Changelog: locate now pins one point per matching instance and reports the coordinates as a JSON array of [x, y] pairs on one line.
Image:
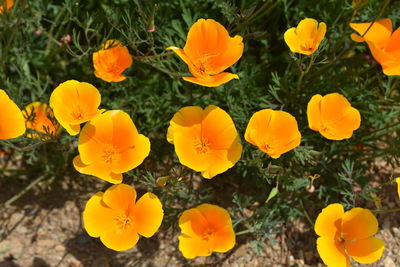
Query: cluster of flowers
[[205, 140]]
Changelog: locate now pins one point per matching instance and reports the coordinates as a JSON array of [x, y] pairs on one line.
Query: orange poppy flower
[[118, 219], [398, 186], [273, 131], [40, 119], [74, 103], [333, 116], [110, 145], [384, 46], [12, 122], [305, 39], [7, 4], [205, 229], [205, 140], [209, 50], [347, 234], [111, 60]]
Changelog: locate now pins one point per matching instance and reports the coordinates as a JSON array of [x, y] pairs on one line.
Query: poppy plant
[[205, 229], [39, 118], [111, 60], [273, 131], [12, 122], [333, 116], [6, 4], [347, 234], [205, 140], [110, 145], [384, 45], [305, 39], [83, 101], [209, 50], [118, 219]]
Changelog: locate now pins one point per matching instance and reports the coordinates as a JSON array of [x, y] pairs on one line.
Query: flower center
[[110, 154], [265, 148], [308, 45], [208, 234], [77, 113], [202, 145], [124, 221]]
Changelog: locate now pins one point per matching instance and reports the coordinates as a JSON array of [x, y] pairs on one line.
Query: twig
[[24, 191]]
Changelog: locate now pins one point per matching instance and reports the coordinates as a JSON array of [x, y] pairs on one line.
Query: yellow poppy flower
[[333, 116], [347, 234], [40, 119], [111, 60], [12, 122], [110, 145], [398, 186], [205, 140], [209, 50], [74, 103], [118, 219], [383, 44], [305, 39], [273, 131], [205, 229], [7, 4]]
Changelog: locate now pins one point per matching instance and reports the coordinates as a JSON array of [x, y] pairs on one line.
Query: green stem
[[306, 214], [303, 73], [24, 191], [381, 132], [386, 211], [244, 232]]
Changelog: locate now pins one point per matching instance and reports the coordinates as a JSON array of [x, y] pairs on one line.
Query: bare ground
[[44, 228]]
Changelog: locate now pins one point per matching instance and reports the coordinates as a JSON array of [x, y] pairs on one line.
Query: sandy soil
[[44, 228]]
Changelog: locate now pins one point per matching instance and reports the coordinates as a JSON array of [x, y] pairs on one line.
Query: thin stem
[[386, 211], [306, 214], [155, 56], [24, 191], [244, 232], [303, 73]]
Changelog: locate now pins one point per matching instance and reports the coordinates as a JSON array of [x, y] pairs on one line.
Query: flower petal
[[292, 40], [365, 251], [132, 157], [186, 151], [181, 54], [379, 33], [307, 29], [120, 197], [99, 169], [398, 186], [218, 127], [344, 128], [119, 239], [148, 214], [212, 81], [225, 239], [314, 114], [97, 217], [332, 253], [12, 123], [188, 120], [192, 247], [192, 223], [217, 217], [220, 161], [358, 223], [329, 221]]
